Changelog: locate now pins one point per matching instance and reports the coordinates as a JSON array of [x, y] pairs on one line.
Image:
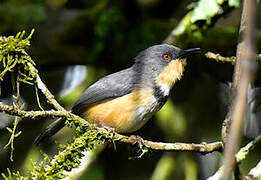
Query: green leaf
[[234, 3], [206, 9]]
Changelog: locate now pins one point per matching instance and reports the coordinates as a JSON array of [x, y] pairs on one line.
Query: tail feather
[[53, 128]]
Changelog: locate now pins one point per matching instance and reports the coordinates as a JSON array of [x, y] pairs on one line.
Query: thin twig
[[37, 98], [202, 148], [13, 135], [48, 94], [243, 152], [11, 110], [231, 59], [13, 132], [220, 58]]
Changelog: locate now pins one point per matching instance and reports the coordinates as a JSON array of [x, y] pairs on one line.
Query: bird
[[126, 100]]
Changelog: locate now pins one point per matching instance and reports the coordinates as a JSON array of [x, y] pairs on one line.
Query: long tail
[[53, 128]]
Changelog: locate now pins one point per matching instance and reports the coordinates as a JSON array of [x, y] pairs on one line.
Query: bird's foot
[[138, 140], [101, 124], [141, 145]]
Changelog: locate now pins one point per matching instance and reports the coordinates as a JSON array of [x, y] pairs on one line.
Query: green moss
[[12, 54], [69, 157]]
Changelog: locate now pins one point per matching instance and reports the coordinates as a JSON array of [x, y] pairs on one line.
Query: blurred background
[[77, 42]]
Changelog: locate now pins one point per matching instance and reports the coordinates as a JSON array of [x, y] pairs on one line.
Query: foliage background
[[103, 36]]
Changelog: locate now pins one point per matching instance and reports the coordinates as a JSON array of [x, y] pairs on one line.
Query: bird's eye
[[166, 57]]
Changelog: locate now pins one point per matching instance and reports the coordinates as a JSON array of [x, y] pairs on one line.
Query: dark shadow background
[[103, 36]]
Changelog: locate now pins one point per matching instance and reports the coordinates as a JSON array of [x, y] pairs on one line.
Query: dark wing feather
[[108, 87]]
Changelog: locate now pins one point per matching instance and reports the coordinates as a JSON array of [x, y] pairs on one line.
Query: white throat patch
[[164, 89]]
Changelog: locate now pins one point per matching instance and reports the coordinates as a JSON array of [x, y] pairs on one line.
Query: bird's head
[[162, 64]]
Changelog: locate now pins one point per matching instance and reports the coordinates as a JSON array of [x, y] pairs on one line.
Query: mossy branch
[[76, 120]]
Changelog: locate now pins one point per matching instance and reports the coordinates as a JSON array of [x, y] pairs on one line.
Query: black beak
[[187, 52]]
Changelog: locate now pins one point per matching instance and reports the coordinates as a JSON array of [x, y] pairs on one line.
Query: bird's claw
[[110, 129], [141, 144], [139, 141]]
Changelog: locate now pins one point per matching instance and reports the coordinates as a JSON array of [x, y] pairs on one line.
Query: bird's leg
[[141, 145], [138, 140], [105, 126]]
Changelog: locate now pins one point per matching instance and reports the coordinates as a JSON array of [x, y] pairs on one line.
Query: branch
[[220, 58], [223, 59], [243, 152], [202, 148], [50, 98], [12, 110], [244, 72], [240, 156]]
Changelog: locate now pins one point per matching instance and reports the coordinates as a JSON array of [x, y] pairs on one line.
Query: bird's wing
[[108, 87]]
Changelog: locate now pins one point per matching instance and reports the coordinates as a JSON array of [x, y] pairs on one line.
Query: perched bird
[[127, 99]]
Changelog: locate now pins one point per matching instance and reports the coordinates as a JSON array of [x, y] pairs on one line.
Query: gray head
[[163, 64]]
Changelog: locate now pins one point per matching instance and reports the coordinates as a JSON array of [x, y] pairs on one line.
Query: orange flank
[[120, 113], [172, 72]]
